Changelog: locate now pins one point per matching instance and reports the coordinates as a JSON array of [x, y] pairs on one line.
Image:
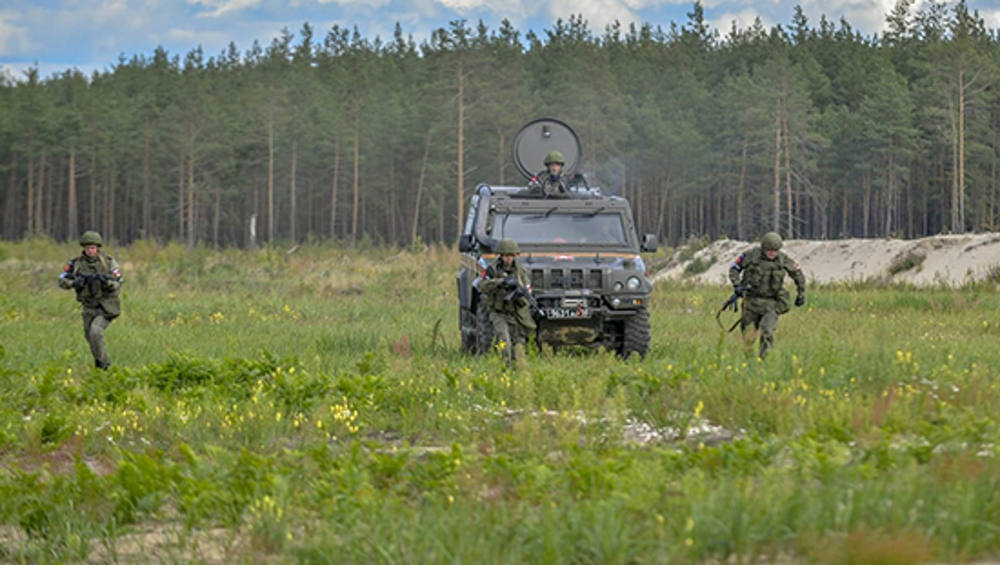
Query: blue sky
[[90, 34]]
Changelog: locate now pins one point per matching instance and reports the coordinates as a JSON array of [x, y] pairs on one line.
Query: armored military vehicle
[[582, 251]]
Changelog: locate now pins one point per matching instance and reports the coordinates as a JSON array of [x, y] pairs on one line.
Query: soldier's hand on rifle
[[78, 282], [510, 283], [800, 299], [739, 289]]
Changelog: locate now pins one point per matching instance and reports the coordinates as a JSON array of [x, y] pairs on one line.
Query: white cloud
[[991, 17], [744, 19], [18, 71], [223, 7], [14, 39], [597, 13], [364, 3], [194, 37], [643, 4]]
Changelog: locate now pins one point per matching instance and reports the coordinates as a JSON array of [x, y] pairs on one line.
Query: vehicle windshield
[[565, 229]]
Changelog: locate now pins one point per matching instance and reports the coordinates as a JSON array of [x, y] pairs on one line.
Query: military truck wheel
[[468, 326], [635, 335], [484, 337]]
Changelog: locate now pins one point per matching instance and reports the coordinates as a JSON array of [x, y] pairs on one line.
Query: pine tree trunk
[[954, 160], [180, 200], [270, 175], [110, 231], [460, 195], [216, 213], [420, 187], [866, 212], [740, 228], [191, 235], [10, 202], [39, 193], [292, 195], [333, 189], [92, 220], [961, 150], [30, 230], [147, 206], [788, 179], [501, 141], [890, 196], [356, 180], [777, 173], [71, 206]]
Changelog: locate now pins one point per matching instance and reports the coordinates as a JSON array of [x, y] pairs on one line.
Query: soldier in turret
[[758, 276], [97, 280], [550, 182]]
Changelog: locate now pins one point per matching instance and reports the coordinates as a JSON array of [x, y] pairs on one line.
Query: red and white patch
[[69, 267]]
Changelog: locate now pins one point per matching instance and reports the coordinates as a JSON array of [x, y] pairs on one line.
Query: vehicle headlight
[[616, 302], [633, 283], [618, 286]]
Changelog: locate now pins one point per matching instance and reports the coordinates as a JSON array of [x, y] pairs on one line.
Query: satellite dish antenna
[[542, 136]]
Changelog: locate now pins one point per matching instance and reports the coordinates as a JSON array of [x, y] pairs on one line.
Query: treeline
[[813, 129]]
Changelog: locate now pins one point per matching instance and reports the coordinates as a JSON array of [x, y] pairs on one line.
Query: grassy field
[[315, 408]]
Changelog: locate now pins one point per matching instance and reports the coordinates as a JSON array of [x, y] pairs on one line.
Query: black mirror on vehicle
[[466, 242], [649, 243]]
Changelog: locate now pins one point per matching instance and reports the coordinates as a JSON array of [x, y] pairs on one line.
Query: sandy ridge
[[949, 260]]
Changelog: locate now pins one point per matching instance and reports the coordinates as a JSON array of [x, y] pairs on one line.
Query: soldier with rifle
[[758, 277], [97, 280], [549, 183], [506, 288]]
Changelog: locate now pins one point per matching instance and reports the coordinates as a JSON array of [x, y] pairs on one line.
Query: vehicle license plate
[[566, 313]]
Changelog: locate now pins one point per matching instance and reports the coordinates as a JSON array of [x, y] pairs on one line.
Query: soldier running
[[97, 280], [758, 276]]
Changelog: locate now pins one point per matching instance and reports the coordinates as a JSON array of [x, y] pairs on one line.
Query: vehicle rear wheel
[[635, 334], [484, 337]]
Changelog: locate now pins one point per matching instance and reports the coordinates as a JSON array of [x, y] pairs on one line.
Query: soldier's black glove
[[78, 282], [510, 283], [739, 290], [800, 299]]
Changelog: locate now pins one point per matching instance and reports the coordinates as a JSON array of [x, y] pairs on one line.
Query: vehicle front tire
[[635, 334]]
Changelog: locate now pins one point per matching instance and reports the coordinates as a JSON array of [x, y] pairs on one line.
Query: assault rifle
[[732, 304], [96, 281], [517, 290]]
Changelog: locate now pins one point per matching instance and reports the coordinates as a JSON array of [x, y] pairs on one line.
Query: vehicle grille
[[567, 278]]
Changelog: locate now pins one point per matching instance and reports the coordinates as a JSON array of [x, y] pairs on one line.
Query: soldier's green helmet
[[508, 246], [771, 241], [91, 238], [554, 157]]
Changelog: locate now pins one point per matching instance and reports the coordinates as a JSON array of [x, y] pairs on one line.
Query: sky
[[91, 34]]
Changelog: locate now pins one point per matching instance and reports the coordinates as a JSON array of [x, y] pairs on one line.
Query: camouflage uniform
[[97, 281], [545, 184], [764, 296], [510, 316]]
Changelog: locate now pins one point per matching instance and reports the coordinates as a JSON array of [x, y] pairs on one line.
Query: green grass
[[315, 408]]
